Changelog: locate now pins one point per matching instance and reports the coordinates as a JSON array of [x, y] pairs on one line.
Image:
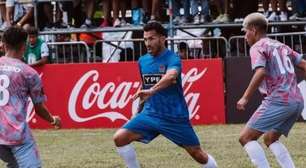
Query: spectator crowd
[[107, 13], [88, 14]]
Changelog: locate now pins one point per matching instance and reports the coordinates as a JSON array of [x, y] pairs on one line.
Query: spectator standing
[[116, 8], [137, 12], [242, 8], [177, 4], [299, 10], [223, 11], [274, 16], [156, 9], [265, 6], [152, 10], [75, 17], [89, 10], [203, 16], [106, 7]]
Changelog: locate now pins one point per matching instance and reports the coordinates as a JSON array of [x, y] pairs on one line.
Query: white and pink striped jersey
[[18, 82], [280, 84]]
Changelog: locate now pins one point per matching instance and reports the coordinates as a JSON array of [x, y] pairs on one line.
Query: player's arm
[[257, 78], [302, 65], [44, 56], [168, 79], [38, 98], [42, 111], [42, 61]]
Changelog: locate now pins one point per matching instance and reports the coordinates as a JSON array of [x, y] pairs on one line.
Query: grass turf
[[93, 148]]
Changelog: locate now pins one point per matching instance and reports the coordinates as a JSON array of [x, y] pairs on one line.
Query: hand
[[145, 94], [241, 104], [136, 95], [56, 122]]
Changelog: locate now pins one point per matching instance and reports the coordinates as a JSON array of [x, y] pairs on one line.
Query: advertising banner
[[100, 95]]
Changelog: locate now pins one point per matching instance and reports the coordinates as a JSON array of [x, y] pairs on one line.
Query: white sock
[[282, 155], [128, 153], [211, 163], [256, 154]]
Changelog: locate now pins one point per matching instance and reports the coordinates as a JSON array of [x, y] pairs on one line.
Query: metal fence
[[188, 48], [295, 40], [69, 52], [201, 47], [118, 50], [131, 50]]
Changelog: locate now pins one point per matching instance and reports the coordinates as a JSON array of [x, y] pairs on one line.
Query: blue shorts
[[20, 156], [277, 117], [180, 133]]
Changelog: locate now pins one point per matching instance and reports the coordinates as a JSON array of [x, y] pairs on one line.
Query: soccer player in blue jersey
[[165, 110], [273, 63]]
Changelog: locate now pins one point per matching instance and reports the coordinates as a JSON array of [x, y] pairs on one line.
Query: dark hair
[[32, 31], [182, 46], [155, 26], [14, 37]]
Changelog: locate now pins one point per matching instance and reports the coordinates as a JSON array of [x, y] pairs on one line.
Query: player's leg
[[140, 128], [182, 134], [249, 134], [7, 156], [27, 154], [285, 118], [280, 152], [248, 139], [122, 139], [201, 156], [263, 120]]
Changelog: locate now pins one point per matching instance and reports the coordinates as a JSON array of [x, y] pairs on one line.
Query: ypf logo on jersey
[[151, 79]]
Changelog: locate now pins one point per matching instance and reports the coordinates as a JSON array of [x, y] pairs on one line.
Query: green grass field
[[93, 148]]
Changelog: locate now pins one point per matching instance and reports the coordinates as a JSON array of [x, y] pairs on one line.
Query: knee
[[268, 140], [119, 139], [243, 140], [246, 137]]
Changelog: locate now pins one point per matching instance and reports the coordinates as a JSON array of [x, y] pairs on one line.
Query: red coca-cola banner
[[100, 95]]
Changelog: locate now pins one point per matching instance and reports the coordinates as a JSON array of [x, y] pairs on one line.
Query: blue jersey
[[168, 103]]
